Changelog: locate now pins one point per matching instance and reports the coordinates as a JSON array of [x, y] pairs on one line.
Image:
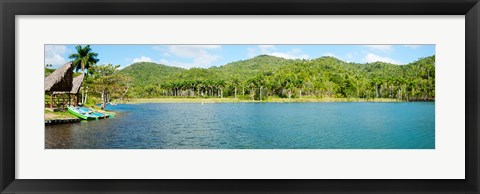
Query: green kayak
[[85, 113]]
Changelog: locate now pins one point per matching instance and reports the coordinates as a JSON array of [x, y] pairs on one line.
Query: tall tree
[[108, 83]]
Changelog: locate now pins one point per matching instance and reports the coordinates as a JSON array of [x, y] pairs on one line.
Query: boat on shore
[[86, 113]]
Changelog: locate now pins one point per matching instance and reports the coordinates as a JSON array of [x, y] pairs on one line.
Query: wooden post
[[51, 100], [76, 98]]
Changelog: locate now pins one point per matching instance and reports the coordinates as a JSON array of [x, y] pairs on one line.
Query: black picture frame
[[10, 8]]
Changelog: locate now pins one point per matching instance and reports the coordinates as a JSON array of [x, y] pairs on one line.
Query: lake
[[349, 125]]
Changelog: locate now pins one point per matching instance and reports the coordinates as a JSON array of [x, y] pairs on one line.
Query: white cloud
[[252, 52], [54, 54], [351, 55], [163, 61], [370, 57], [198, 53], [328, 55], [266, 48], [176, 64], [142, 59], [380, 47], [162, 49], [294, 53], [158, 48], [290, 55], [260, 50], [190, 51], [413, 46]]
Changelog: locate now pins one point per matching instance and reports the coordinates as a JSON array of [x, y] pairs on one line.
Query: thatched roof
[[77, 84], [60, 79]]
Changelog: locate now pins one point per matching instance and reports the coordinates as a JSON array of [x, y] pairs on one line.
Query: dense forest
[[267, 76]]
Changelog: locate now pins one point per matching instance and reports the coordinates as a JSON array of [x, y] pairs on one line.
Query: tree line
[[267, 76]]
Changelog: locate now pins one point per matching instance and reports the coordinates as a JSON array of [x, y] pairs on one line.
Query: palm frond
[[84, 58]]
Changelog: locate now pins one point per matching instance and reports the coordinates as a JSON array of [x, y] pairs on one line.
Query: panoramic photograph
[[115, 96]]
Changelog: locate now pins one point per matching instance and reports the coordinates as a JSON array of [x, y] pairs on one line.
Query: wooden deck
[[60, 121]]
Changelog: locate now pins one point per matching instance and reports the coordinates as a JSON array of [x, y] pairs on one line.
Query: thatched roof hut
[[60, 80]]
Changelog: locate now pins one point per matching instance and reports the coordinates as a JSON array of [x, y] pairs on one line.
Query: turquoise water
[[254, 126]]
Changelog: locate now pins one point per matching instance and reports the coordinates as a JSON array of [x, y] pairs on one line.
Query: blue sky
[[188, 56]]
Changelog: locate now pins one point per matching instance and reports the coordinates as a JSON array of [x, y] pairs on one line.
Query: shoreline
[[271, 100], [50, 115]]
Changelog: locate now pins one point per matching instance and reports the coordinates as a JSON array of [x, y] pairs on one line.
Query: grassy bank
[[64, 114], [232, 100], [50, 115], [92, 103]]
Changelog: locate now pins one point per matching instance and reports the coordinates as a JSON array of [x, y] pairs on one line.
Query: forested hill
[[253, 66], [147, 73], [264, 76]]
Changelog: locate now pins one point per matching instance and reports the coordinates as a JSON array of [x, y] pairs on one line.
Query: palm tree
[[235, 83], [200, 86], [252, 85], [84, 58], [220, 84]]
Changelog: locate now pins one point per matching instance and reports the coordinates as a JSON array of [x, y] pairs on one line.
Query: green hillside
[[239, 70], [246, 69], [146, 73], [267, 76]]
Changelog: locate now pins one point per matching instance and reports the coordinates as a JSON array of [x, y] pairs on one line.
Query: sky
[[205, 56]]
